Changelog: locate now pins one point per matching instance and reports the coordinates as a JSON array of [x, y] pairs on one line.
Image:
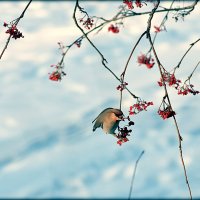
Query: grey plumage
[[108, 120]]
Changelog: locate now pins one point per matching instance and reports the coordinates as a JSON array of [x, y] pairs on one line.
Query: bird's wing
[[99, 119], [97, 125], [101, 113]]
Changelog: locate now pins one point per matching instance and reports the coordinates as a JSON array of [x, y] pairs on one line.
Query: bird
[[108, 120]]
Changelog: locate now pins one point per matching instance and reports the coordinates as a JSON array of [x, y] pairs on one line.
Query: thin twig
[[151, 16], [125, 68], [104, 61], [118, 17], [194, 70], [190, 8], [74, 17], [191, 45], [120, 101], [174, 118], [162, 23], [17, 21], [113, 19], [169, 102], [190, 76], [132, 51], [168, 11], [134, 172]]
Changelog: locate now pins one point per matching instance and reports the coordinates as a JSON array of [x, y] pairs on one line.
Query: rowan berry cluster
[[87, 23], [124, 132], [130, 6], [113, 28], [165, 110], [13, 30], [170, 79], [57, 74], [139, 106], [187, 89], [146, 60]]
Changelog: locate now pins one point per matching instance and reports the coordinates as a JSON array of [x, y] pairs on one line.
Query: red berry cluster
[[88, 23], [146, 60], [186, 89], [139, 106], [138, 3], [57, 74], [13, 30], [170, 79], [166, 111], [124, 132], [122, 86], [129, 3], [130, 6], [114, 29]]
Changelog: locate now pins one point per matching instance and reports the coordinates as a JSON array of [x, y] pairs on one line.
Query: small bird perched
[[108, 120]]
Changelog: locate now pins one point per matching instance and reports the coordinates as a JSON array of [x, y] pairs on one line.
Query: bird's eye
[[119, 116]]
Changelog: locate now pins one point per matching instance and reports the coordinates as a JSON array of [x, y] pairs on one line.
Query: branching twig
[[103, 60], [74, 17], [169, 102], [120, 16], [174, 118], [190, 8], [134, 172], [117, 17], [16, 22]]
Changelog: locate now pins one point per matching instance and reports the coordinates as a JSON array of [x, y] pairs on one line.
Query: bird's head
[[119, 114]]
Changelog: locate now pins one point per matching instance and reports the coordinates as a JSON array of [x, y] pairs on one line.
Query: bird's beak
[[121, 118]]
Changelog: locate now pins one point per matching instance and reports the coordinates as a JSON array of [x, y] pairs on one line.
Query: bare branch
[[125, 68], [191, 45], [103, 60], [132, 51], [151, 16], [134, 172], [113, 19], [193, 70], [16, 22], [162, 23], [174, 118]]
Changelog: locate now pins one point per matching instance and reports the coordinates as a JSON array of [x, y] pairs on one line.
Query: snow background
[[46, 141]]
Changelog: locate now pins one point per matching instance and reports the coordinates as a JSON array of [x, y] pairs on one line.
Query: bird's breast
[[110, 124]]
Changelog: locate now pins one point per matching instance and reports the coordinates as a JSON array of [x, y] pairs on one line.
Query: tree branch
[[104, 61], [191, 45], [134, 172], [174, 118], [16, 22]]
